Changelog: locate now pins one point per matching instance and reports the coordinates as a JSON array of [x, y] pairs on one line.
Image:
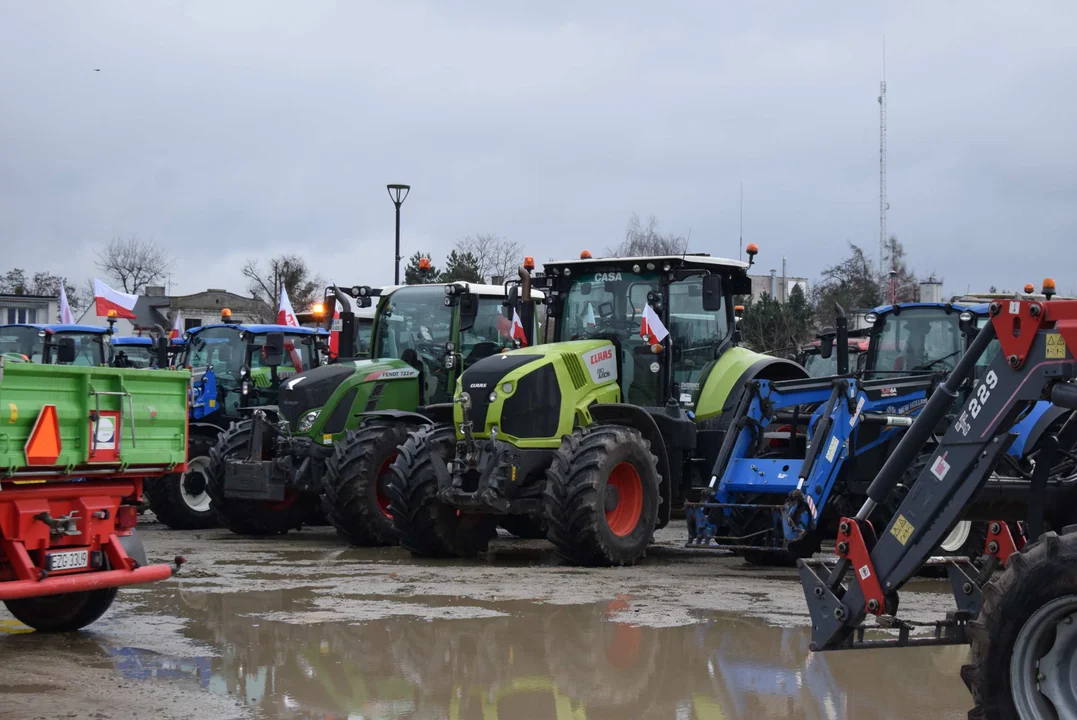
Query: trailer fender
[[640, 419]]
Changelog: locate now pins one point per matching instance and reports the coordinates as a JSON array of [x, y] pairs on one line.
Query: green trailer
[[76, 444]]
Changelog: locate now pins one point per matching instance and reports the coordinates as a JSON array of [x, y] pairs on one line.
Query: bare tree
[[289, 272], [642, 239], [133, 263], [496, 256]]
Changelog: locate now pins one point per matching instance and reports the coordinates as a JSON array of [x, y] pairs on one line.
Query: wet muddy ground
[[304, 626]]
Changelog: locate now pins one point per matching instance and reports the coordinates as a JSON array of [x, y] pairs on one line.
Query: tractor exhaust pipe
[[841, 327], [527, 308]]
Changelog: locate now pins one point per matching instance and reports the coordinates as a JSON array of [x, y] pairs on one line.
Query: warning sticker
[[1056, 346], [865, 572], [859, 409], [902, 529], [940, 467], [832, 449]]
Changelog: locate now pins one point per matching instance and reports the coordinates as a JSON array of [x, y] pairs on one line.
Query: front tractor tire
[[252, 517], [181, 500], [356, 483], [602, 496], [428, 527], [1024, 643]]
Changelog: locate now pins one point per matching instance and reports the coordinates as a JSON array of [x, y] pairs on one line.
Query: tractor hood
[[314, 389]]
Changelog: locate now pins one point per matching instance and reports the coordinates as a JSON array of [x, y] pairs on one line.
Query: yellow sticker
[[13, 412], [212, 403], [513, 473], [902, 529], [1056, 346], [327, 439]]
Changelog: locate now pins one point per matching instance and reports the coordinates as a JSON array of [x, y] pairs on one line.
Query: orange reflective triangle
[[43, 447]]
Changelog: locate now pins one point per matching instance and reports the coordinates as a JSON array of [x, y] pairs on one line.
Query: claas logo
[[601, 355]]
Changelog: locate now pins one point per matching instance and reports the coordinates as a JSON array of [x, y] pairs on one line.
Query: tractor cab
[[820, 358], [230, 367], [691, 297], [919, 338], [142, 352], [86, 345]]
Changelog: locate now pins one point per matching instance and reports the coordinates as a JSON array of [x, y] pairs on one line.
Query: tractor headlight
[[307, 421], [965, 317], [493, 395], [871, 318], [506, 388]]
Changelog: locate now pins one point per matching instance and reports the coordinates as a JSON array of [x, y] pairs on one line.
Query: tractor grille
[[575, 369], [312, 389], [483, 377], [534, 410]]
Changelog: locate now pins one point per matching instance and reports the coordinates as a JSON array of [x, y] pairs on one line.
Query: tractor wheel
[[428, 527], [252, 517], [62, 613], [1024, 643], [524, 526], [356, 481], [602, 496], [180, 500]]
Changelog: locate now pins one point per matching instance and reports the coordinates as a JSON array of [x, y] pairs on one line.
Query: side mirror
[[712, 293], [469, 310], [273, 350], [65, 351], [826, 346]]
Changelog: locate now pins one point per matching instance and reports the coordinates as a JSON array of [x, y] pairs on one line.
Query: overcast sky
[[235, 130]]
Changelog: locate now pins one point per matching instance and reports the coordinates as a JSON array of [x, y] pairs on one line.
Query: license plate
[[68, 560]]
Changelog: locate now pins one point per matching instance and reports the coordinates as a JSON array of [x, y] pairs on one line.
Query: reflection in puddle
[[524, 661]]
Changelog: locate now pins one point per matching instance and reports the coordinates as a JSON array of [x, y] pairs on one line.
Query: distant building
[[776, 286], [154, 309], [24, 309]]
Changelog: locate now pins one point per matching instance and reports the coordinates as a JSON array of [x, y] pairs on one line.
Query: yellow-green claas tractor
[[595, 436]]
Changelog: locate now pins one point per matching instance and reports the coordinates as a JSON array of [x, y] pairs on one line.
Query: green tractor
[[596, 436], [336, 428]]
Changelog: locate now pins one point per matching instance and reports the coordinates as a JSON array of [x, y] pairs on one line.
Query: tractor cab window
[[133, 356], [491, 332], [610, 305], [916, 340], [363, 328], [223, 348], [697, 334], [298, 356], [989, 354], [819, 366], [89, 350], [21, 343], [413, 324]]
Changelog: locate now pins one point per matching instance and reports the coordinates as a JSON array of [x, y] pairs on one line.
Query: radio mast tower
[[883, 205]]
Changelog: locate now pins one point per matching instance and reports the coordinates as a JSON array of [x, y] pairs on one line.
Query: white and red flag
[[652, 328], [65, 309], [105, 299], [177, 326], [518, 329], [285, 315]]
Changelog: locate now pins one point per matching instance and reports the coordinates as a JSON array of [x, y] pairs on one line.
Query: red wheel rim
[[380, 484], [624, 517]]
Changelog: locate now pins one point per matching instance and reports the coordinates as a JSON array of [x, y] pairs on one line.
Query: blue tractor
[[800, 454], [56, 344], [228, 375]]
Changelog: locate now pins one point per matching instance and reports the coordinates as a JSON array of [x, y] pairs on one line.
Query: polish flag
[[105, 299], [65, 310], [335, 327], [518, 329], [285, 315], [652, 329], [177, 326]]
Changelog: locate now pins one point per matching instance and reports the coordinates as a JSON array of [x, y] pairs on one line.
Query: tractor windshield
[[413, 324], [21, 342], [133, 356], [221, 347], [916, 340], [610, 305], [363, 328], [298, 356]]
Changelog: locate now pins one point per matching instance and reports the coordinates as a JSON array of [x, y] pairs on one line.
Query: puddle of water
[[518, 661]]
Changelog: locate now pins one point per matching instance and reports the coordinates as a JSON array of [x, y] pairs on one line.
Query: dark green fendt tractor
[[596, 436], [336, 428]]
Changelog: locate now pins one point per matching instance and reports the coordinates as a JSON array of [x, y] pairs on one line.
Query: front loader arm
[[1033, 365]]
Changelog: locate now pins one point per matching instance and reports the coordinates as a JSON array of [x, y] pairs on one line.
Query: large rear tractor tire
[[524, 526], [602, 497], [180, 500], [1024, 643], [62, 613], [428, 527], [252, 517], [356, 483]]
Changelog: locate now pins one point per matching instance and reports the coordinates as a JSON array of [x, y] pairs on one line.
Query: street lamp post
[[398, 193]]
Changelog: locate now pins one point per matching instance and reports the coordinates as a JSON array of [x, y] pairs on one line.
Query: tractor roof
[[127, 340], [476, 288], [625, 264], [261, 329], [62, 328], [978, 308]]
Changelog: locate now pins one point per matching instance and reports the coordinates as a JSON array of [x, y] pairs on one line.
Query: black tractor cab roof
[[661, 263]]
